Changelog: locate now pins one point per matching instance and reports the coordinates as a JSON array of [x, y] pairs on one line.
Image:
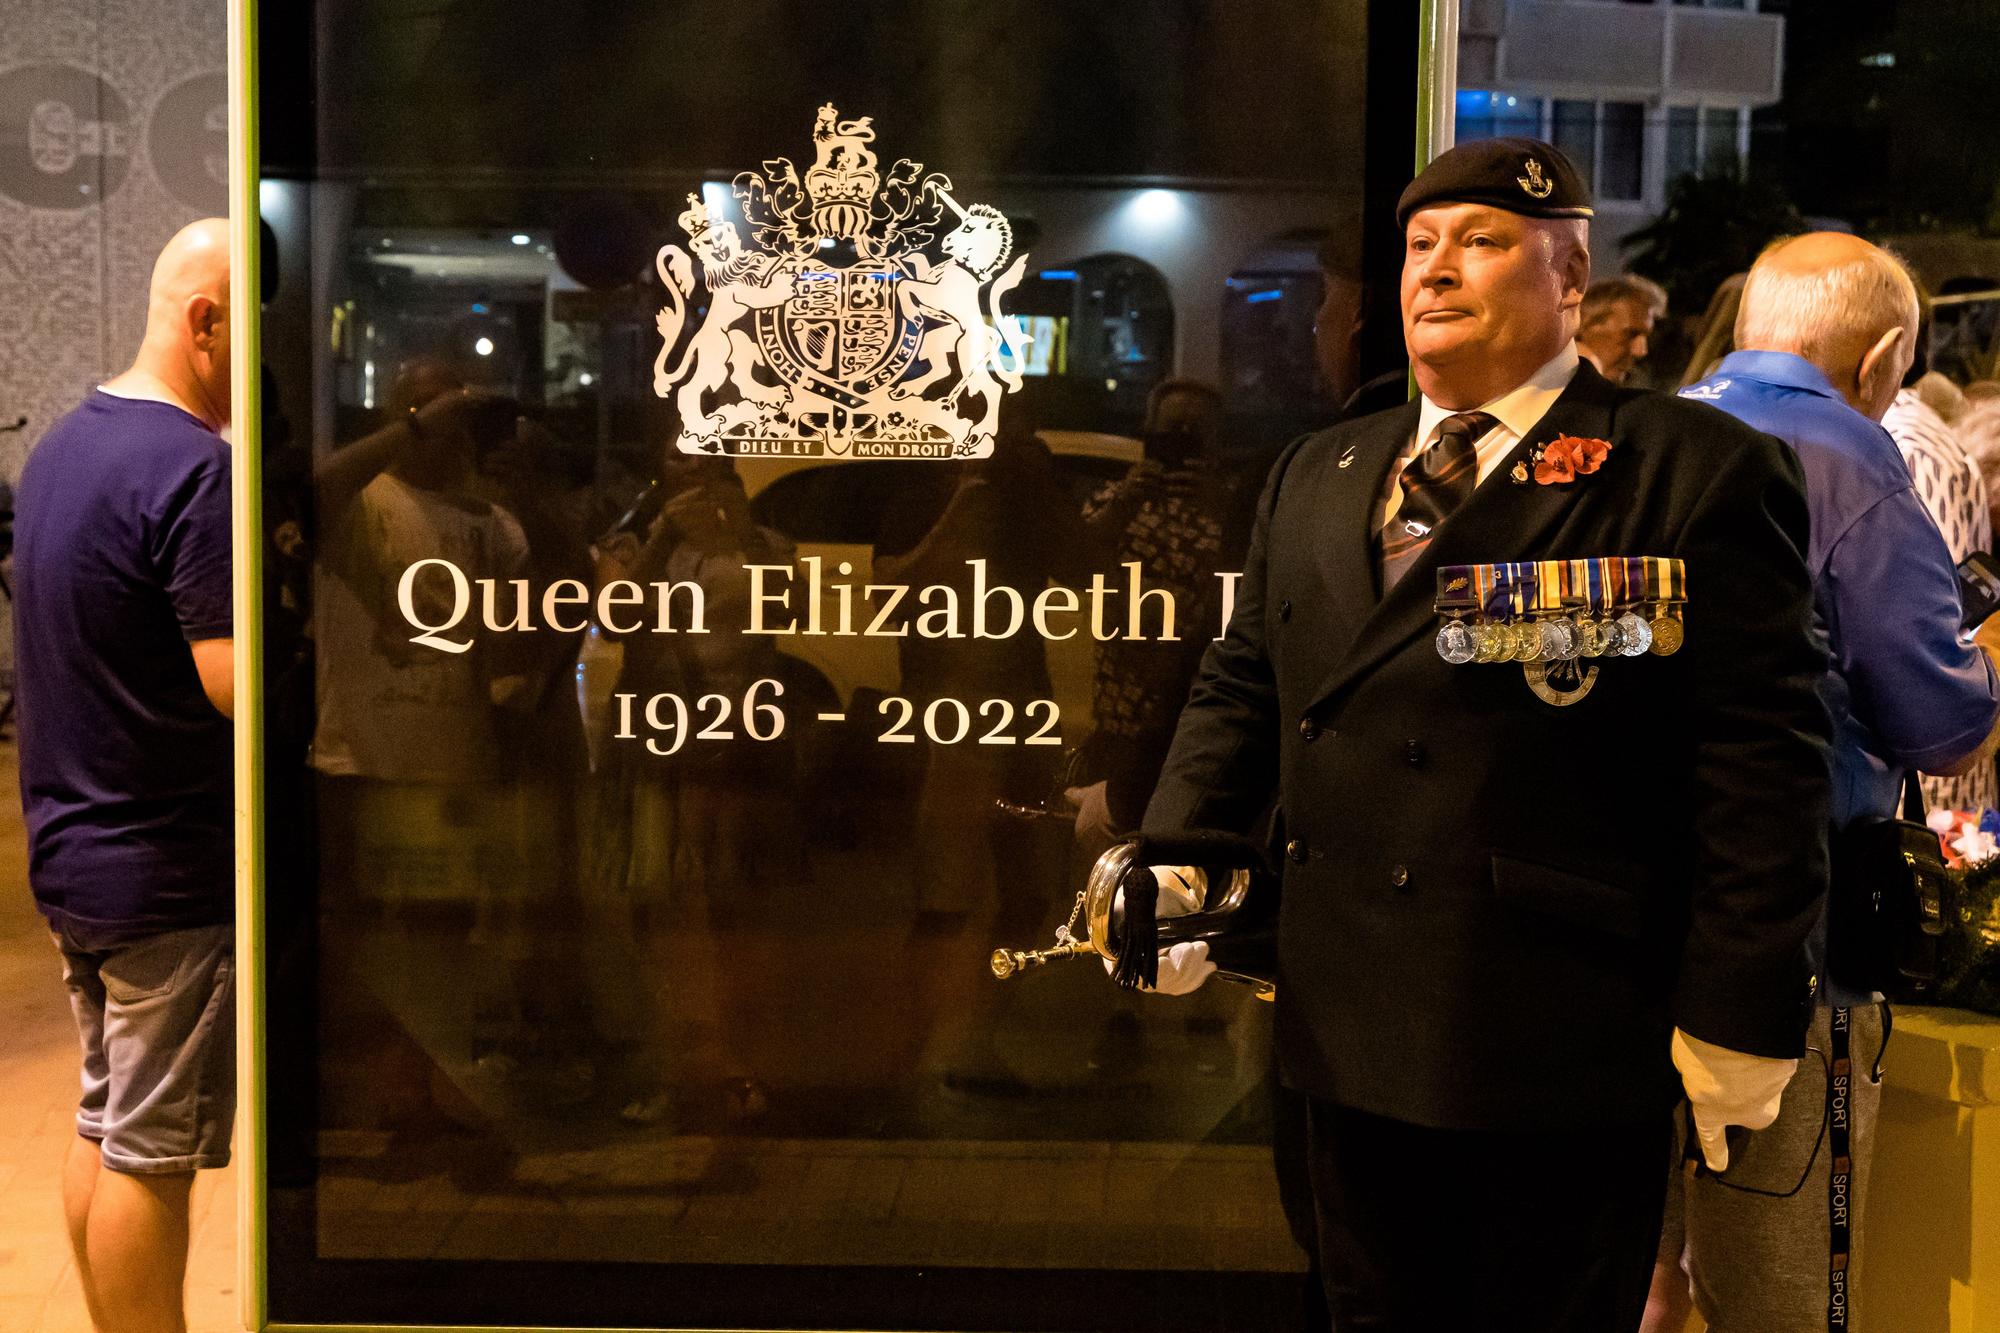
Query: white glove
[[1182, 969], [1183, 889], [1725, 1088]]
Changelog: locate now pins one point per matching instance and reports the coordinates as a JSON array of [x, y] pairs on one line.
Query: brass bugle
[[1007, 962]]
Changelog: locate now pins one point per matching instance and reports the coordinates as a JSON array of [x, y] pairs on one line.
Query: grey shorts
[[157, 1020], [1757, 1264]]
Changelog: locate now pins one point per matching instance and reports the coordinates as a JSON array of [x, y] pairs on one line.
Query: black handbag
[[1887, 902]]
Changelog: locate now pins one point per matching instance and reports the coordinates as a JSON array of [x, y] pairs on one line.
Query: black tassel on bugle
[[1139, 933]]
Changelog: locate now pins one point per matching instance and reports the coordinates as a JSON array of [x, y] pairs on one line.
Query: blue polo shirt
[[121, 559], [1904, 691]]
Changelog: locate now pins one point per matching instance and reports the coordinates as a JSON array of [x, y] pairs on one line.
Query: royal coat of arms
[[862, 320]]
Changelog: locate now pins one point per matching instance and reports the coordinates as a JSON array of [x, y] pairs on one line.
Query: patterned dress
[[1949, 482]]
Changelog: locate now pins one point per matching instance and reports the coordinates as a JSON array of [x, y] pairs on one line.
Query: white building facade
[[1638, 92]]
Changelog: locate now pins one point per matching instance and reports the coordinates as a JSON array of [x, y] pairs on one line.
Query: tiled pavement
[[38, 1075]]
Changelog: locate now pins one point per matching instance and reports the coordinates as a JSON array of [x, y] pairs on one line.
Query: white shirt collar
[[1521, 408]]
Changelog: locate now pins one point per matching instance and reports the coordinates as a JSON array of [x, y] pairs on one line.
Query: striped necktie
[[1434, 483]]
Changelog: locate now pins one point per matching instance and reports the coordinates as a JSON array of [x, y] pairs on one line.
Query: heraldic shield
[[862, 319], [842, 332]]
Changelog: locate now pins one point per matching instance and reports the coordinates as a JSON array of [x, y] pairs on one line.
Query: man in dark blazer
[[1510, 913]]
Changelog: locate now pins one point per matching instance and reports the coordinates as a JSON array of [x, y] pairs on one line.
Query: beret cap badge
[[1535, 185]]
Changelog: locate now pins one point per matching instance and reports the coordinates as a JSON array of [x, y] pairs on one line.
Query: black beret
[[1524, 176]]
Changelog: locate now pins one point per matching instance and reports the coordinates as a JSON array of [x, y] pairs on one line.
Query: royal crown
[[843, 171], [699, 217]]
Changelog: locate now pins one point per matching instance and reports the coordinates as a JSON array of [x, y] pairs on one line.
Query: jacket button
[[1400, 875], [1308, 729], [1414, 752], [1284, 611], [1296, 851]]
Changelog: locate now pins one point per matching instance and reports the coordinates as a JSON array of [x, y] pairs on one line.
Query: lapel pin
[[1520, 474], [1347, 458]]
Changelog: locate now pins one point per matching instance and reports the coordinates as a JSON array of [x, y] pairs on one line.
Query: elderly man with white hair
[[1616, 323], [1827, 333]]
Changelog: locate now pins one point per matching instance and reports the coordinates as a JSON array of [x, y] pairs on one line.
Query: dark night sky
[[1912, 144], [1013, 87]]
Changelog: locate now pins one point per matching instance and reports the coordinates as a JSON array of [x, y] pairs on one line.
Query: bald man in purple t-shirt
[[124, 677]]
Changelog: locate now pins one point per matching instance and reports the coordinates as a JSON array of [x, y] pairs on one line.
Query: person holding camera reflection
[[1516, 921], [528, 1015], [1171, 515], [407, 745], [1826, 331], [390, 709], [705, 826]]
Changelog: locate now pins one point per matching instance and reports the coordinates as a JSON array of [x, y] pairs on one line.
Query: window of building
[[1622, 150], [1720, 152], [1703, 141], [1683, 142], [1573, 128], [1607, 141]]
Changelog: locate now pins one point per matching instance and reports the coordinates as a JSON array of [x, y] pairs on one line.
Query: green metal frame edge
[[1437, 90], [247, 505]]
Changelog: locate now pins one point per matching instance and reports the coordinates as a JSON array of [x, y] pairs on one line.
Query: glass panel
[[1683, 132], [711, 562], [1623, 166], [1574, 131], [1718, 149]]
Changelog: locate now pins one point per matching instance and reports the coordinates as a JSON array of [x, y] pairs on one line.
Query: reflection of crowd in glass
[[513, 891]]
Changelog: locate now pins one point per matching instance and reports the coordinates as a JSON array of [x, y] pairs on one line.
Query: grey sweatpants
[[1763, 1265]]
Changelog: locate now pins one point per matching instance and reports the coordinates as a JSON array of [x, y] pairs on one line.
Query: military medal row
[[1561, 610]]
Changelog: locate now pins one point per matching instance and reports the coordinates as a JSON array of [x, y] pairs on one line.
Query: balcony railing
[[1590, 48]]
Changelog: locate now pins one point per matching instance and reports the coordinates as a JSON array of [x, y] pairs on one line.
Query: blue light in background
[[1269, 294], [1472, 103], [1057, 275]]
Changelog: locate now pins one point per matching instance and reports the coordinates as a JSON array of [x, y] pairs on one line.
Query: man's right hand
[[1987, 636], [445, 410], [1147, 480], [1182, 969]]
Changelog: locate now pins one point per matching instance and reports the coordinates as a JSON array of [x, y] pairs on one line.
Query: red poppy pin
[[1564, 459]]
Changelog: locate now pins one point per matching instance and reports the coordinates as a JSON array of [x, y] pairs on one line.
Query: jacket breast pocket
[[1566, 895]]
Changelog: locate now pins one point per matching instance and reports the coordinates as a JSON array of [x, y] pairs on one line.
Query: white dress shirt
[[1518, 411]]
